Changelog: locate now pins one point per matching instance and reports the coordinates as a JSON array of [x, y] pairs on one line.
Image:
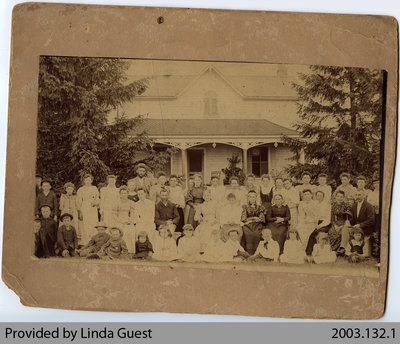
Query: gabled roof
[[246, 86], [214, 127]]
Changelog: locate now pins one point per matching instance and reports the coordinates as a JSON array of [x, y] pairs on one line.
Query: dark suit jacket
[[365, 218]]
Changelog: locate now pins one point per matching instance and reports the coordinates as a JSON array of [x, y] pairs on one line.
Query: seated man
[[166, 212], [362, 216]]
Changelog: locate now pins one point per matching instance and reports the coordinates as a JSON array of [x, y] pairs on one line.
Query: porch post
[[245, 160], [184, 165]]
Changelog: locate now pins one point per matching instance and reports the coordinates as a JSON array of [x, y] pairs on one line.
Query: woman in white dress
[[109, 196], [206, 215], [123, 217], [87, 198]]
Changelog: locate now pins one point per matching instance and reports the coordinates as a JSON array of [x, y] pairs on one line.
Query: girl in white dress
[[87, 198], [164, 245], [293, 251]]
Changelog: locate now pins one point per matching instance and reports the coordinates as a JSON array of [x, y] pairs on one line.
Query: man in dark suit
[[363, 217], [363, 214]]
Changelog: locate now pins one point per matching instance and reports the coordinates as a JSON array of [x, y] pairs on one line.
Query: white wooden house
[[211, 111]]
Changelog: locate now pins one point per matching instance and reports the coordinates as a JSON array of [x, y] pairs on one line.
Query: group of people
[[156, 218]]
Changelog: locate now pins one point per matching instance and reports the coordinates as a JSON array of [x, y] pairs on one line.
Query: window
[[259, 160], [210, 104]]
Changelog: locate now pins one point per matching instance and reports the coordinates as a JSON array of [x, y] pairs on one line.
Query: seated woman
[[206, 216], [230, 218], [194, 197], [278, 216], [253, 217], [324, 220]]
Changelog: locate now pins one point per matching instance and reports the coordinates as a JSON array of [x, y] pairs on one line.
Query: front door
[[195, 161]]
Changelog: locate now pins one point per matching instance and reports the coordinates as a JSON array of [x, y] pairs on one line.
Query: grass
[[341, 267]]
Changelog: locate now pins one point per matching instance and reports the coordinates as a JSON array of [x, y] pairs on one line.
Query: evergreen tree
[[340, 110], [75, 135]]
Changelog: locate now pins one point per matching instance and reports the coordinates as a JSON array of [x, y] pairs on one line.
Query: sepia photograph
[[206, 164]]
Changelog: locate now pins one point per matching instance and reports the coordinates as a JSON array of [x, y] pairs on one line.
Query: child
[[189, 245], [115, 247], [47, 197], [37, 242], [143, 246], [48, 232], [214, 249], [68, 205], [293, 252], [96, 242], [67, 239], [322, 252], [268, 249], [356, 251], [232, 249], [164, 245]]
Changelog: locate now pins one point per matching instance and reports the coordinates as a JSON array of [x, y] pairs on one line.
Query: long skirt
[[305, 229], [129, 237], [90, 219], [279, 232], [251, 236]]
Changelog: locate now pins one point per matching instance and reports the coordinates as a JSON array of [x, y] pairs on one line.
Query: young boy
[[96, 242], [268, 249], [115, 247], [67, 239], [143, 246], [232, 249], [37, 242], [48, 231], [47, 197]]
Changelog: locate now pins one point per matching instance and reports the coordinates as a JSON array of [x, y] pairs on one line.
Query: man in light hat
[[96, 242]]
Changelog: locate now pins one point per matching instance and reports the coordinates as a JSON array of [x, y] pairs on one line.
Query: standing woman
[[253, 217], [278, 216], [109, 195], [194, 197], [123, 216], [87, 198], [265, 191]]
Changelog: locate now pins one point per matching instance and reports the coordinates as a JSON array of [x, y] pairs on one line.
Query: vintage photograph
[[217, 165]]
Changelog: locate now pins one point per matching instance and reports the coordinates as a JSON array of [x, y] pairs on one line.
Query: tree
[[75, 134], [233, 170], [340, 110]]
